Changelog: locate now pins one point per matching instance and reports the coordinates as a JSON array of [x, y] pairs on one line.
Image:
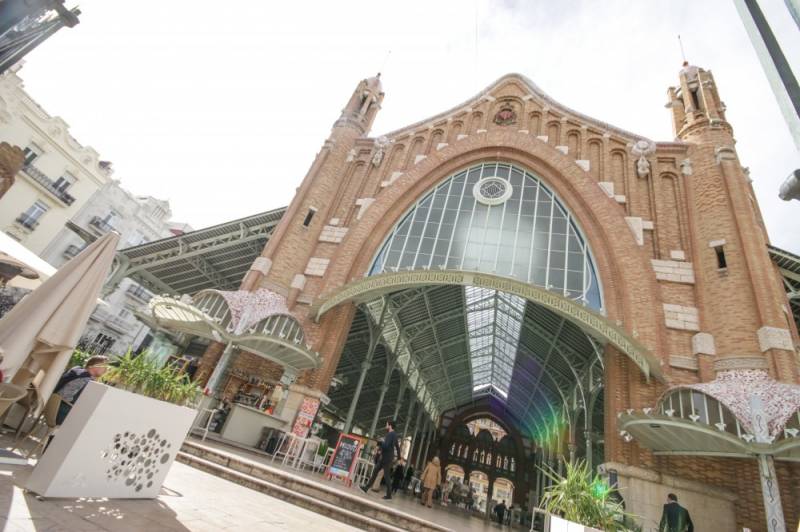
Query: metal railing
[[101, 224], [48, 184], [71, 251], [27, 221], [118, 324]]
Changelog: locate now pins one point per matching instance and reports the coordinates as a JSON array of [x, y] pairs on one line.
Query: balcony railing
[[48, 184], [71, 251], [102, 225], [118, 324], [139, 293], [28, 222]]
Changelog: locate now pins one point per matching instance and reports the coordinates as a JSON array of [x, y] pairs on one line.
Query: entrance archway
[[484, 293]]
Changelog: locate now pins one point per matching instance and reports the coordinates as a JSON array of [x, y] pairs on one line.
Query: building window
[[722, 262], [135, 239], [529, 235], [30, 218], [64, 182], [31, 153], [309, 217]]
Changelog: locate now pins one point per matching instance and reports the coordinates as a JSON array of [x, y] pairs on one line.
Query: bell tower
[[311, 208], [743, 324], [363, 106]]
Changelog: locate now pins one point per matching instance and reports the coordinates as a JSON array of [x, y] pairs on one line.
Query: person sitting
[[71, 384]]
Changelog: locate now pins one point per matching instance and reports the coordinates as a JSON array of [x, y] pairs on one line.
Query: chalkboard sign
[[345, 457]]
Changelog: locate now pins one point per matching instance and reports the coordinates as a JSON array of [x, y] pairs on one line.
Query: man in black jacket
[[390, 447], [675, 517]]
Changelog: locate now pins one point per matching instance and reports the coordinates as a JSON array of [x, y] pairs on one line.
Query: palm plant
[[141, 374], [581, 498]]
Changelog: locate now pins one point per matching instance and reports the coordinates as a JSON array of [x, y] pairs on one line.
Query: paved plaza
[[190, 500]]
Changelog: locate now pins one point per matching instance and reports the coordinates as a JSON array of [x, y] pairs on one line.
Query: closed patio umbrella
[[41, 331]]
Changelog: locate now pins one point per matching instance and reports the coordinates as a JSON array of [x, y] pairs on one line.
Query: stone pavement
[[190, 501], [451, 518]]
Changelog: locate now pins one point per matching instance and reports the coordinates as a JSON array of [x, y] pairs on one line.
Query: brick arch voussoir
[[630, 289]]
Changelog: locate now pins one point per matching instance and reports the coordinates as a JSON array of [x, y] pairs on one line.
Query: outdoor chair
[[32, 402], [49, 415], [10, 394], [308, 452], [326, 460]]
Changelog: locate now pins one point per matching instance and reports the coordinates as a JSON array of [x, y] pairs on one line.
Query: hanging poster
[[305, 417]]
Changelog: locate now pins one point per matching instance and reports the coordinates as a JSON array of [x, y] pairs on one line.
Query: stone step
[[318, 497]]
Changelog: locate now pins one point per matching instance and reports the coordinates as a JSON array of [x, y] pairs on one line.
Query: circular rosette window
[[492, 190]]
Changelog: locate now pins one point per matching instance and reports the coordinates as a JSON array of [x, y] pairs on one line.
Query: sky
[[222, 110]]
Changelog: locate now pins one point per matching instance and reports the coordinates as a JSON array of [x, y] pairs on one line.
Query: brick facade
[[678, 239]]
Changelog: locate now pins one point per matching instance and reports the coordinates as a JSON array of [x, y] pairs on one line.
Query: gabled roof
[[536, 93]]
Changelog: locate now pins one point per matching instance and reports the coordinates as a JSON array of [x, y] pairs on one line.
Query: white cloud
[[222, 110]]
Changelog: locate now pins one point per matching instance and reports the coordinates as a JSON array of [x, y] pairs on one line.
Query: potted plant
[[122, 434], [583, 499]]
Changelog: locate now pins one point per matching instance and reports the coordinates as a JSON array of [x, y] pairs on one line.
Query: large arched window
[[495, 218]]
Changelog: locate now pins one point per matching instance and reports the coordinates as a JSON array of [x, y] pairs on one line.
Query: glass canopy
[[495, 218], [494, 323]]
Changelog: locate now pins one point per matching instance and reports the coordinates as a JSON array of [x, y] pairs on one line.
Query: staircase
[[328, 500]]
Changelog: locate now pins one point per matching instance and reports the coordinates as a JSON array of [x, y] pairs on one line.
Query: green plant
[[579, 497], [323, 448], [78, 358], [141, 374]]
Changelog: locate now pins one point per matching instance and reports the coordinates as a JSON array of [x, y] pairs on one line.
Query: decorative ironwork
[[41, 178], [101, 224]]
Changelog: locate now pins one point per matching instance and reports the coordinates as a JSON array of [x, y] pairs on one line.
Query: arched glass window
[[495, 218]]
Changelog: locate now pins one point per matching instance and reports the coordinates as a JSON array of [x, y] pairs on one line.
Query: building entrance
[[516, 260]]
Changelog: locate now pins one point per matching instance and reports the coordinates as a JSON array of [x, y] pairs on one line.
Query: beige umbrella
[[41, 331], [11, 267]]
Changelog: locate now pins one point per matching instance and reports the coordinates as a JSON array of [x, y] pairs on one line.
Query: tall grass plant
[[143, 375]]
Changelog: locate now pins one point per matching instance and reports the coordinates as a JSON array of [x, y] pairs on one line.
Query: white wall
[[22, 123]]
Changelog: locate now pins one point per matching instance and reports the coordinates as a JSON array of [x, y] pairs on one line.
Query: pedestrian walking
[[675, 518], [389, 447], [431, 478]]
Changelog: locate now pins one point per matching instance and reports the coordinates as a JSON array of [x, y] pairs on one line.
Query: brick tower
[[744, 319]]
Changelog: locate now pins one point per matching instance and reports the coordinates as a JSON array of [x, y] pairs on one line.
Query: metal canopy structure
[[456, 345], [215, 257], [273, 335], [789, 267]]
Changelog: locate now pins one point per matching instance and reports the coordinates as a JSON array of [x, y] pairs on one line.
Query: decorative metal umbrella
[[257, 322], [740, 414]]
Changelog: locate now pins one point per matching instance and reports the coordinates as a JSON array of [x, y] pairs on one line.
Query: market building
[[592, 292]]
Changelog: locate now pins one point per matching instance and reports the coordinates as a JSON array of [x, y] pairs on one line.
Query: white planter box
[[113, 444], [558, 524]]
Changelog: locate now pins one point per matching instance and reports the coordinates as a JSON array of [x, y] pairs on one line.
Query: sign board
[[345, 457], [305, 417]]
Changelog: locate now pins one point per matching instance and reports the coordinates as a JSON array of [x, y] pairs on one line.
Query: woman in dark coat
[[397, 476]]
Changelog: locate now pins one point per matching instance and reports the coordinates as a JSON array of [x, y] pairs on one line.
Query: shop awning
[[741, 413], [256, 322]]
